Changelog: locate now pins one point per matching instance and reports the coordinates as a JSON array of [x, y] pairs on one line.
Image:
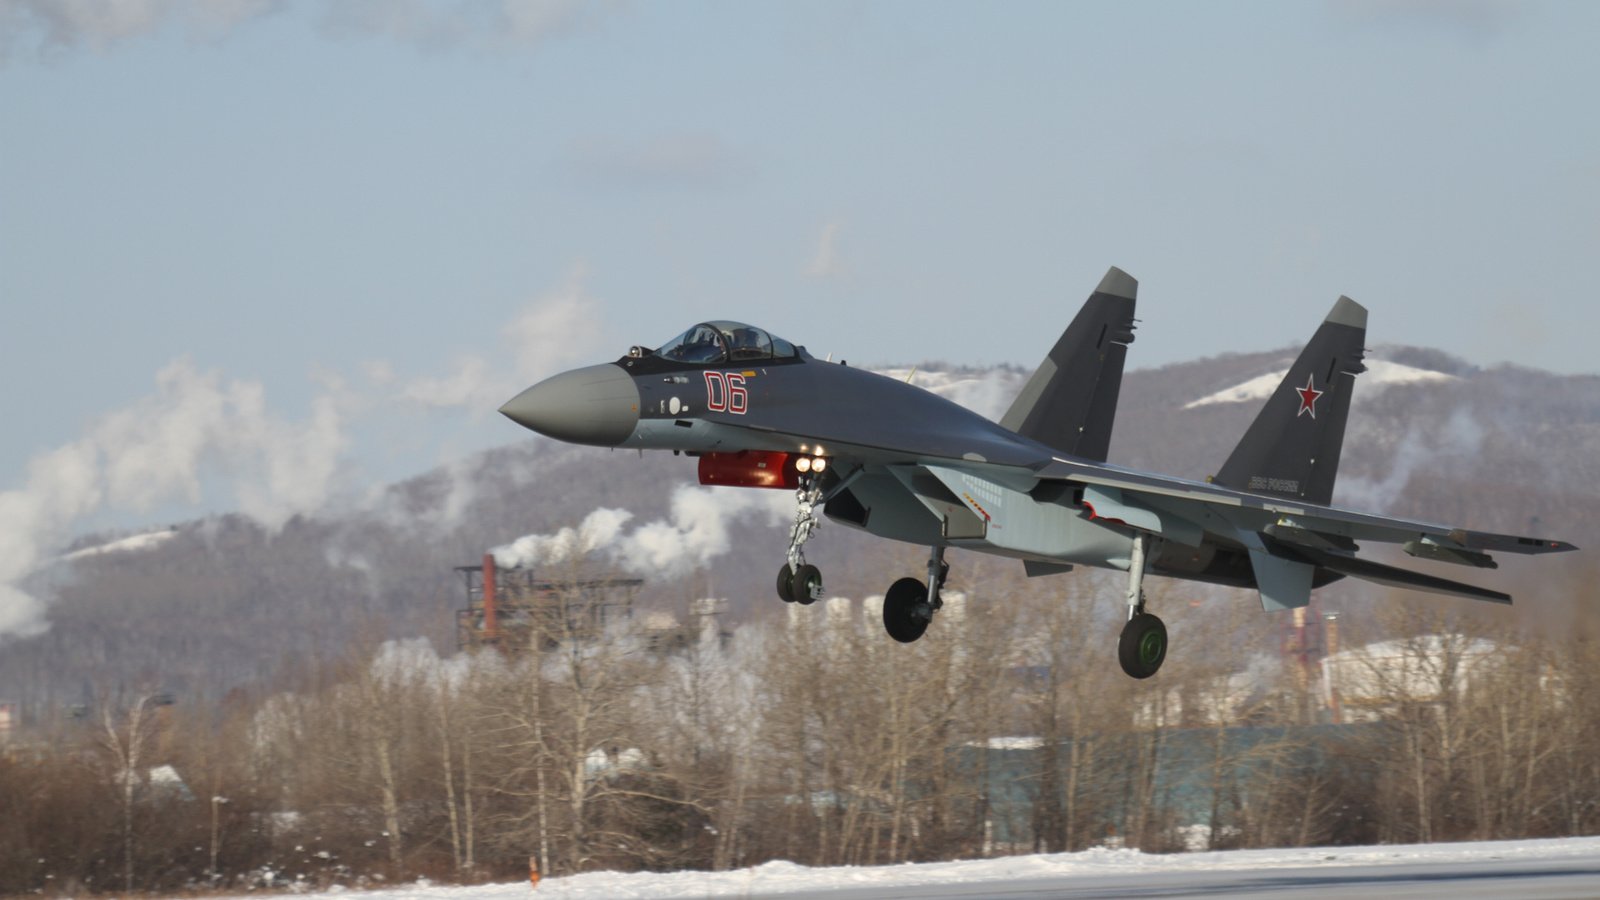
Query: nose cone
[[594, 405]]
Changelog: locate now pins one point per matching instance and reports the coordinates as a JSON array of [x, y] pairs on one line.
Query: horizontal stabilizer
[[1378, 573], [1305, 537]]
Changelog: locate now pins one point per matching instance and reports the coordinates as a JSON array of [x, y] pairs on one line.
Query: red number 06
[[725, 392]]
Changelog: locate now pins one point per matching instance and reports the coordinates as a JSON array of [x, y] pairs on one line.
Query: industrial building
[[515, 610]]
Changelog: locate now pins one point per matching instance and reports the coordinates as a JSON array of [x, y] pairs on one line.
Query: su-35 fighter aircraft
[[902, 463]]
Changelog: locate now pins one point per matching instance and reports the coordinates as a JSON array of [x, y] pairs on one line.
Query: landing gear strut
[[799, 582], [1143, 644], [909, 606]]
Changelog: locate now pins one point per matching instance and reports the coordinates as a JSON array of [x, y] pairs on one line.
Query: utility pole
[[216, 801]]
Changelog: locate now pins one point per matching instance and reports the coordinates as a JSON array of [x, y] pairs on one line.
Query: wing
[[1279, 532]]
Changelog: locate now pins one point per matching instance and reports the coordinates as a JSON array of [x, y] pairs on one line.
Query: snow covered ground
[[1580, 857]]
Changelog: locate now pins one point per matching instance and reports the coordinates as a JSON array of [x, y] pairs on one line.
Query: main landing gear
[[909, 606], [1143, 645], [798, 581]]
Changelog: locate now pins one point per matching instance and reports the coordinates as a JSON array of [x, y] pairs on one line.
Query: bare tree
[[561, 734], [125, 738]]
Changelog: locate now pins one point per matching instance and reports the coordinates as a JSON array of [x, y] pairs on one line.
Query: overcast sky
[[277, 246]]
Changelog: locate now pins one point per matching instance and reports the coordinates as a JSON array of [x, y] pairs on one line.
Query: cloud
[[472, 383], [51, 26], [825, 263], [552, 332], [558, 328], [457, 24], [48, 26]]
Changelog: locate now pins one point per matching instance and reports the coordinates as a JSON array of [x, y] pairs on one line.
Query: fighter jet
[[884, 456]]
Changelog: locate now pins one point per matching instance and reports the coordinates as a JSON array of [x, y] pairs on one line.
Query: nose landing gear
[[802, 585], [799, 582]]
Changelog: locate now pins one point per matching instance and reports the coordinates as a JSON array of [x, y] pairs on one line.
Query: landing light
[[806, 464]]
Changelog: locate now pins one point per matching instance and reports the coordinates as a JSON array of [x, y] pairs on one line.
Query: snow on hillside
[[147, 541], [988, 392], [785, 877], [1379, 374]]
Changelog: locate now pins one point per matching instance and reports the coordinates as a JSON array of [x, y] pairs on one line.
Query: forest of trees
[[809, 736]]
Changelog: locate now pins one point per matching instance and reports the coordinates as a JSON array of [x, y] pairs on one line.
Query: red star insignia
[[1308, 397]]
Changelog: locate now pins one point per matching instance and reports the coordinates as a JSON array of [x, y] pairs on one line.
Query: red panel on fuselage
[[750, 468]]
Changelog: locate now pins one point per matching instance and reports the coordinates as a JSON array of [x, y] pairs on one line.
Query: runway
[[1496, 878], [1543, 869]]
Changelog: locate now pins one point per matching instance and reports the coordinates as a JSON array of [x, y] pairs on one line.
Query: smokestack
[[491, 622], [1330, 624]]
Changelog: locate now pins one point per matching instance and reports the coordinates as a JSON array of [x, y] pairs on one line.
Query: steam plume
[[156, 451], [199, 433], [695, 532], [1460, 437]]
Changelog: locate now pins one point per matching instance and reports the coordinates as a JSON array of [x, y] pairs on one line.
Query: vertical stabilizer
[[1292, 448], [1071, 400]]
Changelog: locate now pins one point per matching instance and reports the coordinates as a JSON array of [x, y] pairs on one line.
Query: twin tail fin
[[1292, 449], [1071, 400]]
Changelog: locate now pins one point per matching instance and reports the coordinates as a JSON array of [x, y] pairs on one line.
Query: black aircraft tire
[[904, 596], [1143, 645], [806, 585], [786, 583]]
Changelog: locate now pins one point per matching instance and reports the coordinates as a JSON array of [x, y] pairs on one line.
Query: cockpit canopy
[[710, 343]]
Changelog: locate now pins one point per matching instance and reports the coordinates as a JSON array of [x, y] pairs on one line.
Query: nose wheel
[[802, 585], [798, 581]]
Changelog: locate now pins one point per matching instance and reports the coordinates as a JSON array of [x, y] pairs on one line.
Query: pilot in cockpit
[[711, 343], [747, 343], [703, 339], [705, 345]]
